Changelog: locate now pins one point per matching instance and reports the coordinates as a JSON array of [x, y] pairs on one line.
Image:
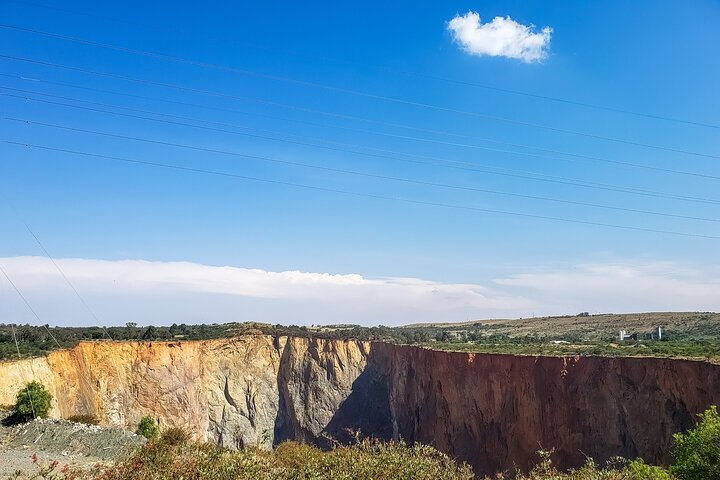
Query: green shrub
[[639, 470], [33, 400], [696, 454], [148, 428]]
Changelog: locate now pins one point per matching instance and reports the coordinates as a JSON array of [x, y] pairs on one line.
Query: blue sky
[[653, 58]]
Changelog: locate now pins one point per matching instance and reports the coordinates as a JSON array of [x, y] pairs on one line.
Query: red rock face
[[496, 411]]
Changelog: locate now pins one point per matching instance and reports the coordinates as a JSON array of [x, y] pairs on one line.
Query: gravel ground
[[67, 442]]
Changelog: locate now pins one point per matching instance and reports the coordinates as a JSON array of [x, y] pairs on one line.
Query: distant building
[[627, 336], [654, 335]]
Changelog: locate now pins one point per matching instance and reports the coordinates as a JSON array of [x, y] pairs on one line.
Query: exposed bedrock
[[493, 411], [496, 411]]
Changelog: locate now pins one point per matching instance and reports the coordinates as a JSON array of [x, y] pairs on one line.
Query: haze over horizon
[[357, 163]]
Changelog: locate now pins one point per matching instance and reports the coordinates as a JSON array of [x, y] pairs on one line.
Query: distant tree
[[150, 333], [32, 401], [131, 331], [696, 454], [203, 331], [444, 336], [148, 428]]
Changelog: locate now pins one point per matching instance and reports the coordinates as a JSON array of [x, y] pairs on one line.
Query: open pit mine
[[493, 411]]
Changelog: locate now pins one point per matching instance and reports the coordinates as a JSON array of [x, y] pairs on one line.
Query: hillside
[[702, 326], [688, 335], [693, 335]]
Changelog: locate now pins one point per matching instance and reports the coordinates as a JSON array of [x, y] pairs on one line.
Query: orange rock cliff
[[493, 411]]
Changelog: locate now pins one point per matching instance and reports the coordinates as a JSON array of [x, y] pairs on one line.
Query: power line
[[62, 273], [422, 182], [416, 74], [293, 163], [27, 303], [296, 108], [378, 197], [67, 280], [125, 137], [17, 347], [37, 317], [17, 290], [281, 105], [57, 267], [364, 94], [404, 137]]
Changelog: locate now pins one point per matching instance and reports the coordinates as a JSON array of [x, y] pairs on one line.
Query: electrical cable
[[384, 197]]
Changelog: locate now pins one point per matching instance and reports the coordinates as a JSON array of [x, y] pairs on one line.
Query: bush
[[616, 469], [639, 470], [696, 454], [148, 428], [175, 436], [32, 401], [86, 419]]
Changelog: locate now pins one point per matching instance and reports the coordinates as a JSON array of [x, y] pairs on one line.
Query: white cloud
[[621, 287], [502, 37], [163, 292], [166, 292]]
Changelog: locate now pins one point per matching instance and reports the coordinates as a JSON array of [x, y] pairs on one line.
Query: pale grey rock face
[[242, 392], [316, 377], [251, 390]]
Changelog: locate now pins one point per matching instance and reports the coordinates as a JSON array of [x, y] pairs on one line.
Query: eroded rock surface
[[493, 411], [496, 411], [227, 391]]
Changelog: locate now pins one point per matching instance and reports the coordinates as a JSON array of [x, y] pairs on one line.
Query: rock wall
[[493, 411], [250, 390], [496, 411]]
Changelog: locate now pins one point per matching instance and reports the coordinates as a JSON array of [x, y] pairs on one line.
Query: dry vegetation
[[293, 461], [690, 335], [603, 327], [165, 460]]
